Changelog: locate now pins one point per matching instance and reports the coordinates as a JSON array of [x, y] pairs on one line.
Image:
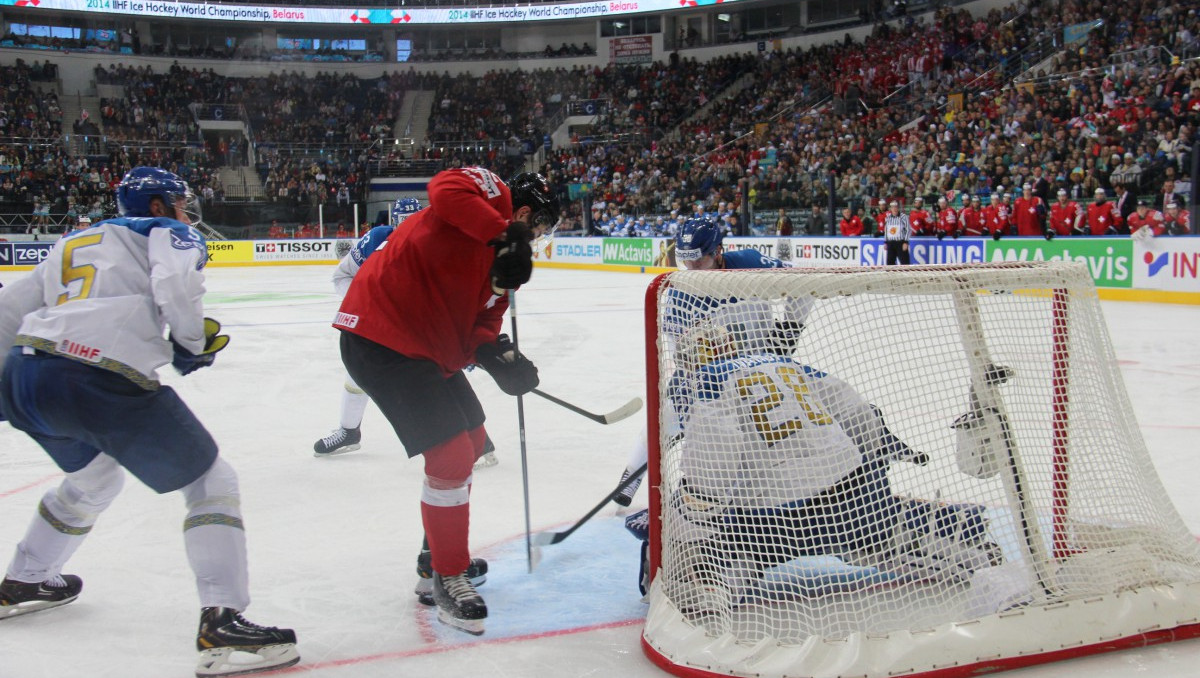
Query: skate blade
[[471, 626], [229, 661], [9, 611], [340, 450]]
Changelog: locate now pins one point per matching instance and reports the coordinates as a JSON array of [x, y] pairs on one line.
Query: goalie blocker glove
[[513, 264], [185, 362], [514, 373]]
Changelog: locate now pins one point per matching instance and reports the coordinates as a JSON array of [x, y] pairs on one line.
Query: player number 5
[[71, 271]]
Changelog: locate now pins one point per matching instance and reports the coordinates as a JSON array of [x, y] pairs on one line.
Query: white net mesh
[[935, 447]]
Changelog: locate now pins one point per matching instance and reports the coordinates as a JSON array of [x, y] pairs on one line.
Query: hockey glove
[[514, 373], [784, 336], [513, 264], [996, 235], [1049, 234], [186, 362], [941, 235]]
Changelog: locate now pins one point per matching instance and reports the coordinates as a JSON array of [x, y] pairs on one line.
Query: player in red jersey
[[1177, 220], [425, 305], [1066, 218], [1029, 213], [970, 219], [996, 217], [919, 220], [1146, 217], [1102, 215], [947, 220]]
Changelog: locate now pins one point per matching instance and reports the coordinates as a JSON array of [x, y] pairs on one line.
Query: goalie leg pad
[[944, 541]]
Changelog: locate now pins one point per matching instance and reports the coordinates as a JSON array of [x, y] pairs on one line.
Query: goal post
[[906, 471]]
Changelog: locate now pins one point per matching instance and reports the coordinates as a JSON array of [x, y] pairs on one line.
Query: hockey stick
[[623, 412], [548, 538], [529, 550]]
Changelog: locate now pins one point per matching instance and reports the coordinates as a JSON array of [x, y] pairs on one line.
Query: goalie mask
[[707, 343]]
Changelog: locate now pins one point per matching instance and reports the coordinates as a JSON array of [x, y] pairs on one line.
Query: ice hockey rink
[[333, 541]]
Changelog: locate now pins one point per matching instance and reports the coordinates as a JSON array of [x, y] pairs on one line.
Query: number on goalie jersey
[[757, 435]]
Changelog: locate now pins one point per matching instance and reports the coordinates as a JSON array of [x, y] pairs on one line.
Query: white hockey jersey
[[105, 296], [764, 431]]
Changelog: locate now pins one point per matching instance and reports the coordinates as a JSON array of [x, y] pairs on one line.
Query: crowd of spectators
[[784, 141]]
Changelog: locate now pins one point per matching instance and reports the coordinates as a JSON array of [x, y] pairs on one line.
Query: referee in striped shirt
[[896, 231]]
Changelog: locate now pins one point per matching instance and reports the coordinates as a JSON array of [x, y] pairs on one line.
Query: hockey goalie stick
[[548, 538], [986, 377], [623, 412]]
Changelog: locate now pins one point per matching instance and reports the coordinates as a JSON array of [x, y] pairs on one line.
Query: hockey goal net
[[905, 471]]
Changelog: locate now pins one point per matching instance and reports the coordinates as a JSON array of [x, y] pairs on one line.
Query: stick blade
[[546, 539], [624, 412]]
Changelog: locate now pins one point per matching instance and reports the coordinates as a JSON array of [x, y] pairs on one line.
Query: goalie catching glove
[[513, 264], [186, 362], [514, 373]]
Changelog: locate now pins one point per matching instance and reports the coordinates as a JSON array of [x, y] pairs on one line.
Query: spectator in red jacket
[[1066, 218], [1102, 215], [850, 225]]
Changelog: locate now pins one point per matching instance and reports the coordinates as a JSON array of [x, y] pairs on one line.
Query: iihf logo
[[1156, 264]]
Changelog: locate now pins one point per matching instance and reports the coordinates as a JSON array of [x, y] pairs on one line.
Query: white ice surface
[[333, 541]]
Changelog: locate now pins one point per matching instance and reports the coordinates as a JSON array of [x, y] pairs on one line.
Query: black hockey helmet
[[530, 189]]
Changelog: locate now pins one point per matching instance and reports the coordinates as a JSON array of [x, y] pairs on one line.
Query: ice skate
[[341, 441], [231, 646], [476, 572], [459, 605], [489, 455], [626, 496], [17, 598]]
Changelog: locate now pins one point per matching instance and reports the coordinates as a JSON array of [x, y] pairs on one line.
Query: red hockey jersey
[[427, 291]]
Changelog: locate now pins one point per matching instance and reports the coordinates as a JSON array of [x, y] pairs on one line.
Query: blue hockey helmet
[[530, 189], [142, 184], [404, 208], [699, 237]]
